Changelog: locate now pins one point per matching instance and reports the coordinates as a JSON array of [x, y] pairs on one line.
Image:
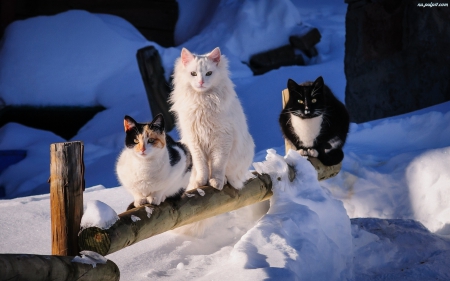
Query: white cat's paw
[[156, 200], [216, 183], [313, 152], [303, 152]]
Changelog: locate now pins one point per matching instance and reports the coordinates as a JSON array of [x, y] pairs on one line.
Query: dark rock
[[396, 57], [276, 58]]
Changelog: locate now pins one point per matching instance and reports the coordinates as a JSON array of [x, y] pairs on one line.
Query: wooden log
[[66, 196], [172, 214], [323, 172], [27, 267]]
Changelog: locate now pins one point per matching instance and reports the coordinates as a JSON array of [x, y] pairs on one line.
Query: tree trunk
[[27, 267], [66, 196]]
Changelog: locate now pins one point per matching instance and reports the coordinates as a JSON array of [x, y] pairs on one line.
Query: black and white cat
[[152, 166], [315, 121]]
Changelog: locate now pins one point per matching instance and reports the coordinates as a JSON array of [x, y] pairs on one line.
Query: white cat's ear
[[186, 56], [128, 123], [215, 55]]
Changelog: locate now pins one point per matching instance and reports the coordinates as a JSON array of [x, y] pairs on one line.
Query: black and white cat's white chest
[[306, 129]]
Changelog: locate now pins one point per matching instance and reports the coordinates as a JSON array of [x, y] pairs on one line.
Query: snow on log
[[39, 267], [172, 214]]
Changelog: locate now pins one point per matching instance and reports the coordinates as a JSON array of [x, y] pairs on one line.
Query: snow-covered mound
[[398, 168], [305, 235]]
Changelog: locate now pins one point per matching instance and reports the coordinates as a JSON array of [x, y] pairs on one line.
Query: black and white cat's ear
[[318, 84], [215, 55], [186, 56], [158, 123], [128, 123], [291, 84]]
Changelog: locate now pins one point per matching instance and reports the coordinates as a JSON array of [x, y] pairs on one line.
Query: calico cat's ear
[[186, 56], [158, 123], [291, 84], [215, 55], [318, 84], [128, 123]]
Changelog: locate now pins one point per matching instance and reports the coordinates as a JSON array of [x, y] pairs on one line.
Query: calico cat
[[315, 121], [152, 166], [211, 120]]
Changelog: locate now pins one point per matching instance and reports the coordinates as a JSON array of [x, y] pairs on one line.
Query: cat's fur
[[315, 121], [152, 166], [211, 120]]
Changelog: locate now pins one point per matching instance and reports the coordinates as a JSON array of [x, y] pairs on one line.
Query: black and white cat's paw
[[308, 152], [313, 153]]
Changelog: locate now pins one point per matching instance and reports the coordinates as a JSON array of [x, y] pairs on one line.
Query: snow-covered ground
[[394, 183]]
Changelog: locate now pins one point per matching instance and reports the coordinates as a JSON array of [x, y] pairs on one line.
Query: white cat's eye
[[151, 140], [193, 73], [208, 73], [136, 141], [300, 101], [313, 100]]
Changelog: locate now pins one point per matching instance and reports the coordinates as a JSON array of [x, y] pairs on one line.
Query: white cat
[[211, 120], [152, 166]]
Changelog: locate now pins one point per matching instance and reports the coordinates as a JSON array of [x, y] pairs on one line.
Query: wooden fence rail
[[26, 267], [172, 214]]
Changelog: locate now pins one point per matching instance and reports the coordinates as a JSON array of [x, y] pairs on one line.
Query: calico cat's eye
[[300, 101], [313, 100], [193, 73], [208, 73], [151, 140], [136, 141]]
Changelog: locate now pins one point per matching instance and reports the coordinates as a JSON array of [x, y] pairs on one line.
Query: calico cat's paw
[[216, 183]]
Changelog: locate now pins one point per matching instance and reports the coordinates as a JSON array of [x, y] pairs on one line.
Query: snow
[[90, 257], [304, 226], [98, 214], [385, 216]]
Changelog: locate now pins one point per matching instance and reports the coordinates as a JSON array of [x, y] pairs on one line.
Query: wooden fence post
[[66, 196]]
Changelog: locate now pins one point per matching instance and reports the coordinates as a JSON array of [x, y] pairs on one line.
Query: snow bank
[[428, 179], [406, 176], [306, 234], [72, 58], [243, 28], [398, 250]]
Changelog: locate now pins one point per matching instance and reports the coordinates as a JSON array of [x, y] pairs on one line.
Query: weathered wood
[[27, 267], [323, 172], [172, 214], [66, 196]]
